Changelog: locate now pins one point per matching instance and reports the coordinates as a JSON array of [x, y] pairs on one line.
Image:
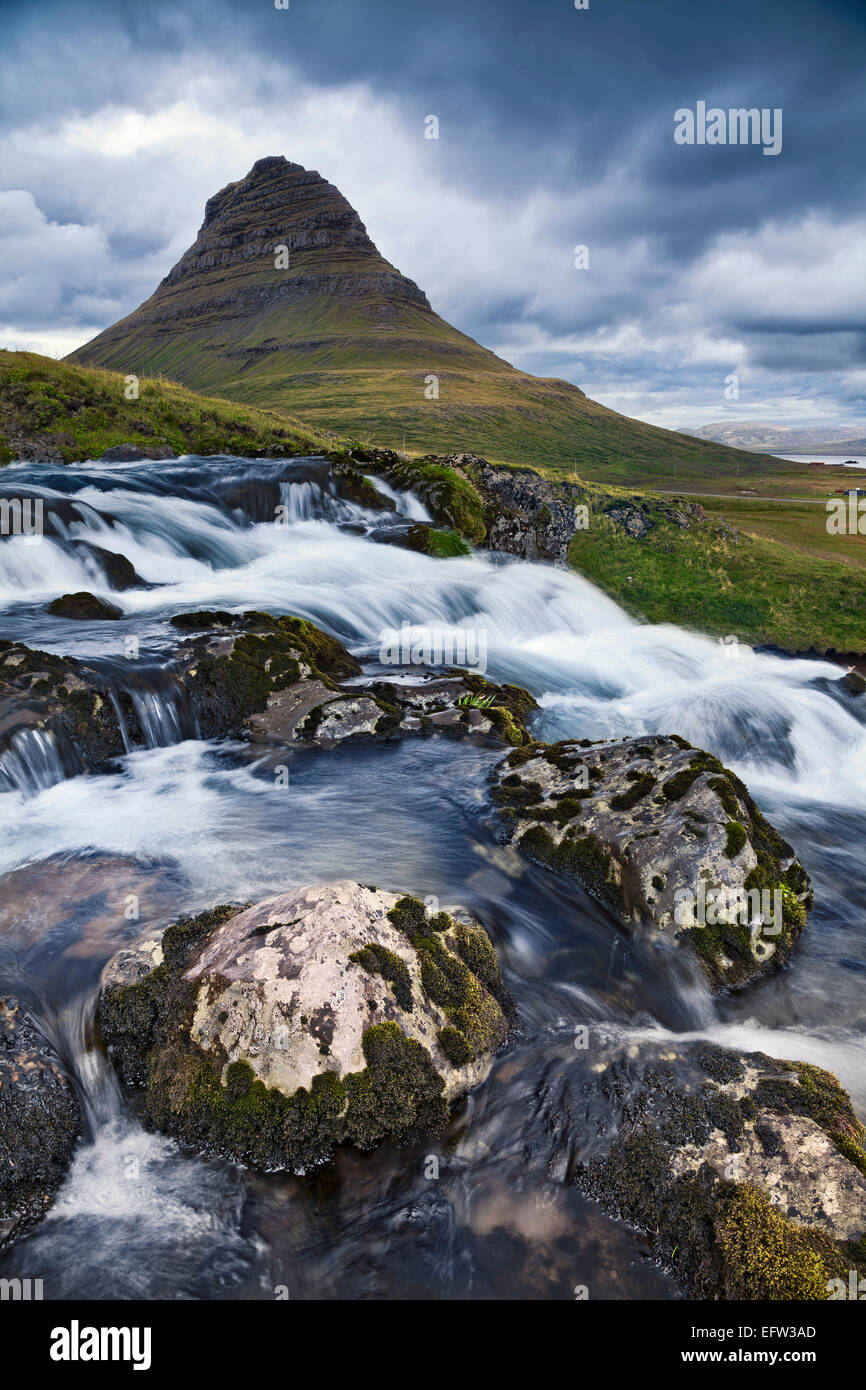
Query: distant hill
[[756, 435], [341, 339]]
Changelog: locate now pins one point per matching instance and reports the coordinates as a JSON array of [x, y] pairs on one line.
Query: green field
[[749, 584]]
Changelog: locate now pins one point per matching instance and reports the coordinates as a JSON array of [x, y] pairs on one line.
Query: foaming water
[[410, 816]]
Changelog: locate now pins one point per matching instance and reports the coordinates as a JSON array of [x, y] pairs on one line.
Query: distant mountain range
[[339, 338], [755, 435]]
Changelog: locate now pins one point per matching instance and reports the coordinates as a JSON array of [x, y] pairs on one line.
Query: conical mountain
[[284, 302]]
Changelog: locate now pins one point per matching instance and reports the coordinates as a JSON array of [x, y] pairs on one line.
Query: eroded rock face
[[40, 1120], [331, 1013], [667, 837], [748, 1174]]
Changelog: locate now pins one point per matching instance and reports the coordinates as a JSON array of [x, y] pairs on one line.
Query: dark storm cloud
[[556, 125]]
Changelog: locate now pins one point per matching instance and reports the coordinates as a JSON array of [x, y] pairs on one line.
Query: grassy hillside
[[340, 339], [59, 412], [723, 580], [775, 575]]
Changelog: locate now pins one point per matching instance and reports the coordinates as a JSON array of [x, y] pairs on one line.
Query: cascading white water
[[308, 501], [31, 762], [593, 668], [409, 816]]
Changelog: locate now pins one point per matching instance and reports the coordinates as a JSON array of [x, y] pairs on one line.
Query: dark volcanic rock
[[84, 607], [667, 837], [134, 453], [40, 1120], [119, 571]]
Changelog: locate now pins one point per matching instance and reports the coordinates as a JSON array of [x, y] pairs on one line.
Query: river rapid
[[183, 824]]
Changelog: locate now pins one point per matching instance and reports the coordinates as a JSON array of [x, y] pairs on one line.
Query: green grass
[[785, 581], [755, 588], [68, 412], [800, 526]]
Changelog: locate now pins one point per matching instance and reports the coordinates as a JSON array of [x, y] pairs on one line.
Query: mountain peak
[[284, 301]]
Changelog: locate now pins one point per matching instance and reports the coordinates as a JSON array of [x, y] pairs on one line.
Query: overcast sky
[[556, 129]]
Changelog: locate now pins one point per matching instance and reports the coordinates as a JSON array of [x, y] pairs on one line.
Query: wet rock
[[67, 908], [84, 607], [747, 1174], [40, 1120], [119, 572], [424, 540], [668, 838], [253, 658], [854, 682], [355, 487], [283, 680], [57, 700], [327, 1014], [134, 453]]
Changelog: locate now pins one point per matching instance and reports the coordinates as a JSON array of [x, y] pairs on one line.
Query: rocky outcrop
[[251, 675], [668, 838], [56, 703], [509, 509], [40, 1120], [335, 1013], [747, 1174], [283, 680], [133, 453], [527, 515]]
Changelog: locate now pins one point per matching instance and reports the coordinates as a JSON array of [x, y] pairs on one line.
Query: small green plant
[[476, 701]]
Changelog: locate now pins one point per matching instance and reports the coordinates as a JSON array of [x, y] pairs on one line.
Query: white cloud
[[114, 198]]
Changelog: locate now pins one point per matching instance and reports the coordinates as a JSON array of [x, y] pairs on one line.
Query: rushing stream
[[185, 824]]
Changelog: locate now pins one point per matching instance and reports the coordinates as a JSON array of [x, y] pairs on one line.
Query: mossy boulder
[[57, 698], [328, 1014], [280, 679], [747, 1174], [84, 607], [668, 838], [241, 663], [40, 1121], [450, 497]]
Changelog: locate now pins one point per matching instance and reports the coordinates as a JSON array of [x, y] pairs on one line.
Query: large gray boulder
[[329, 1013], [669, 838]]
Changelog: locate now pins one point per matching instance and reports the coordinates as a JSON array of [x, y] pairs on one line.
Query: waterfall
[[31, 762]]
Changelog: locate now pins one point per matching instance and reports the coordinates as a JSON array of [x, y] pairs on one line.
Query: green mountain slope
[[341, 339]]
